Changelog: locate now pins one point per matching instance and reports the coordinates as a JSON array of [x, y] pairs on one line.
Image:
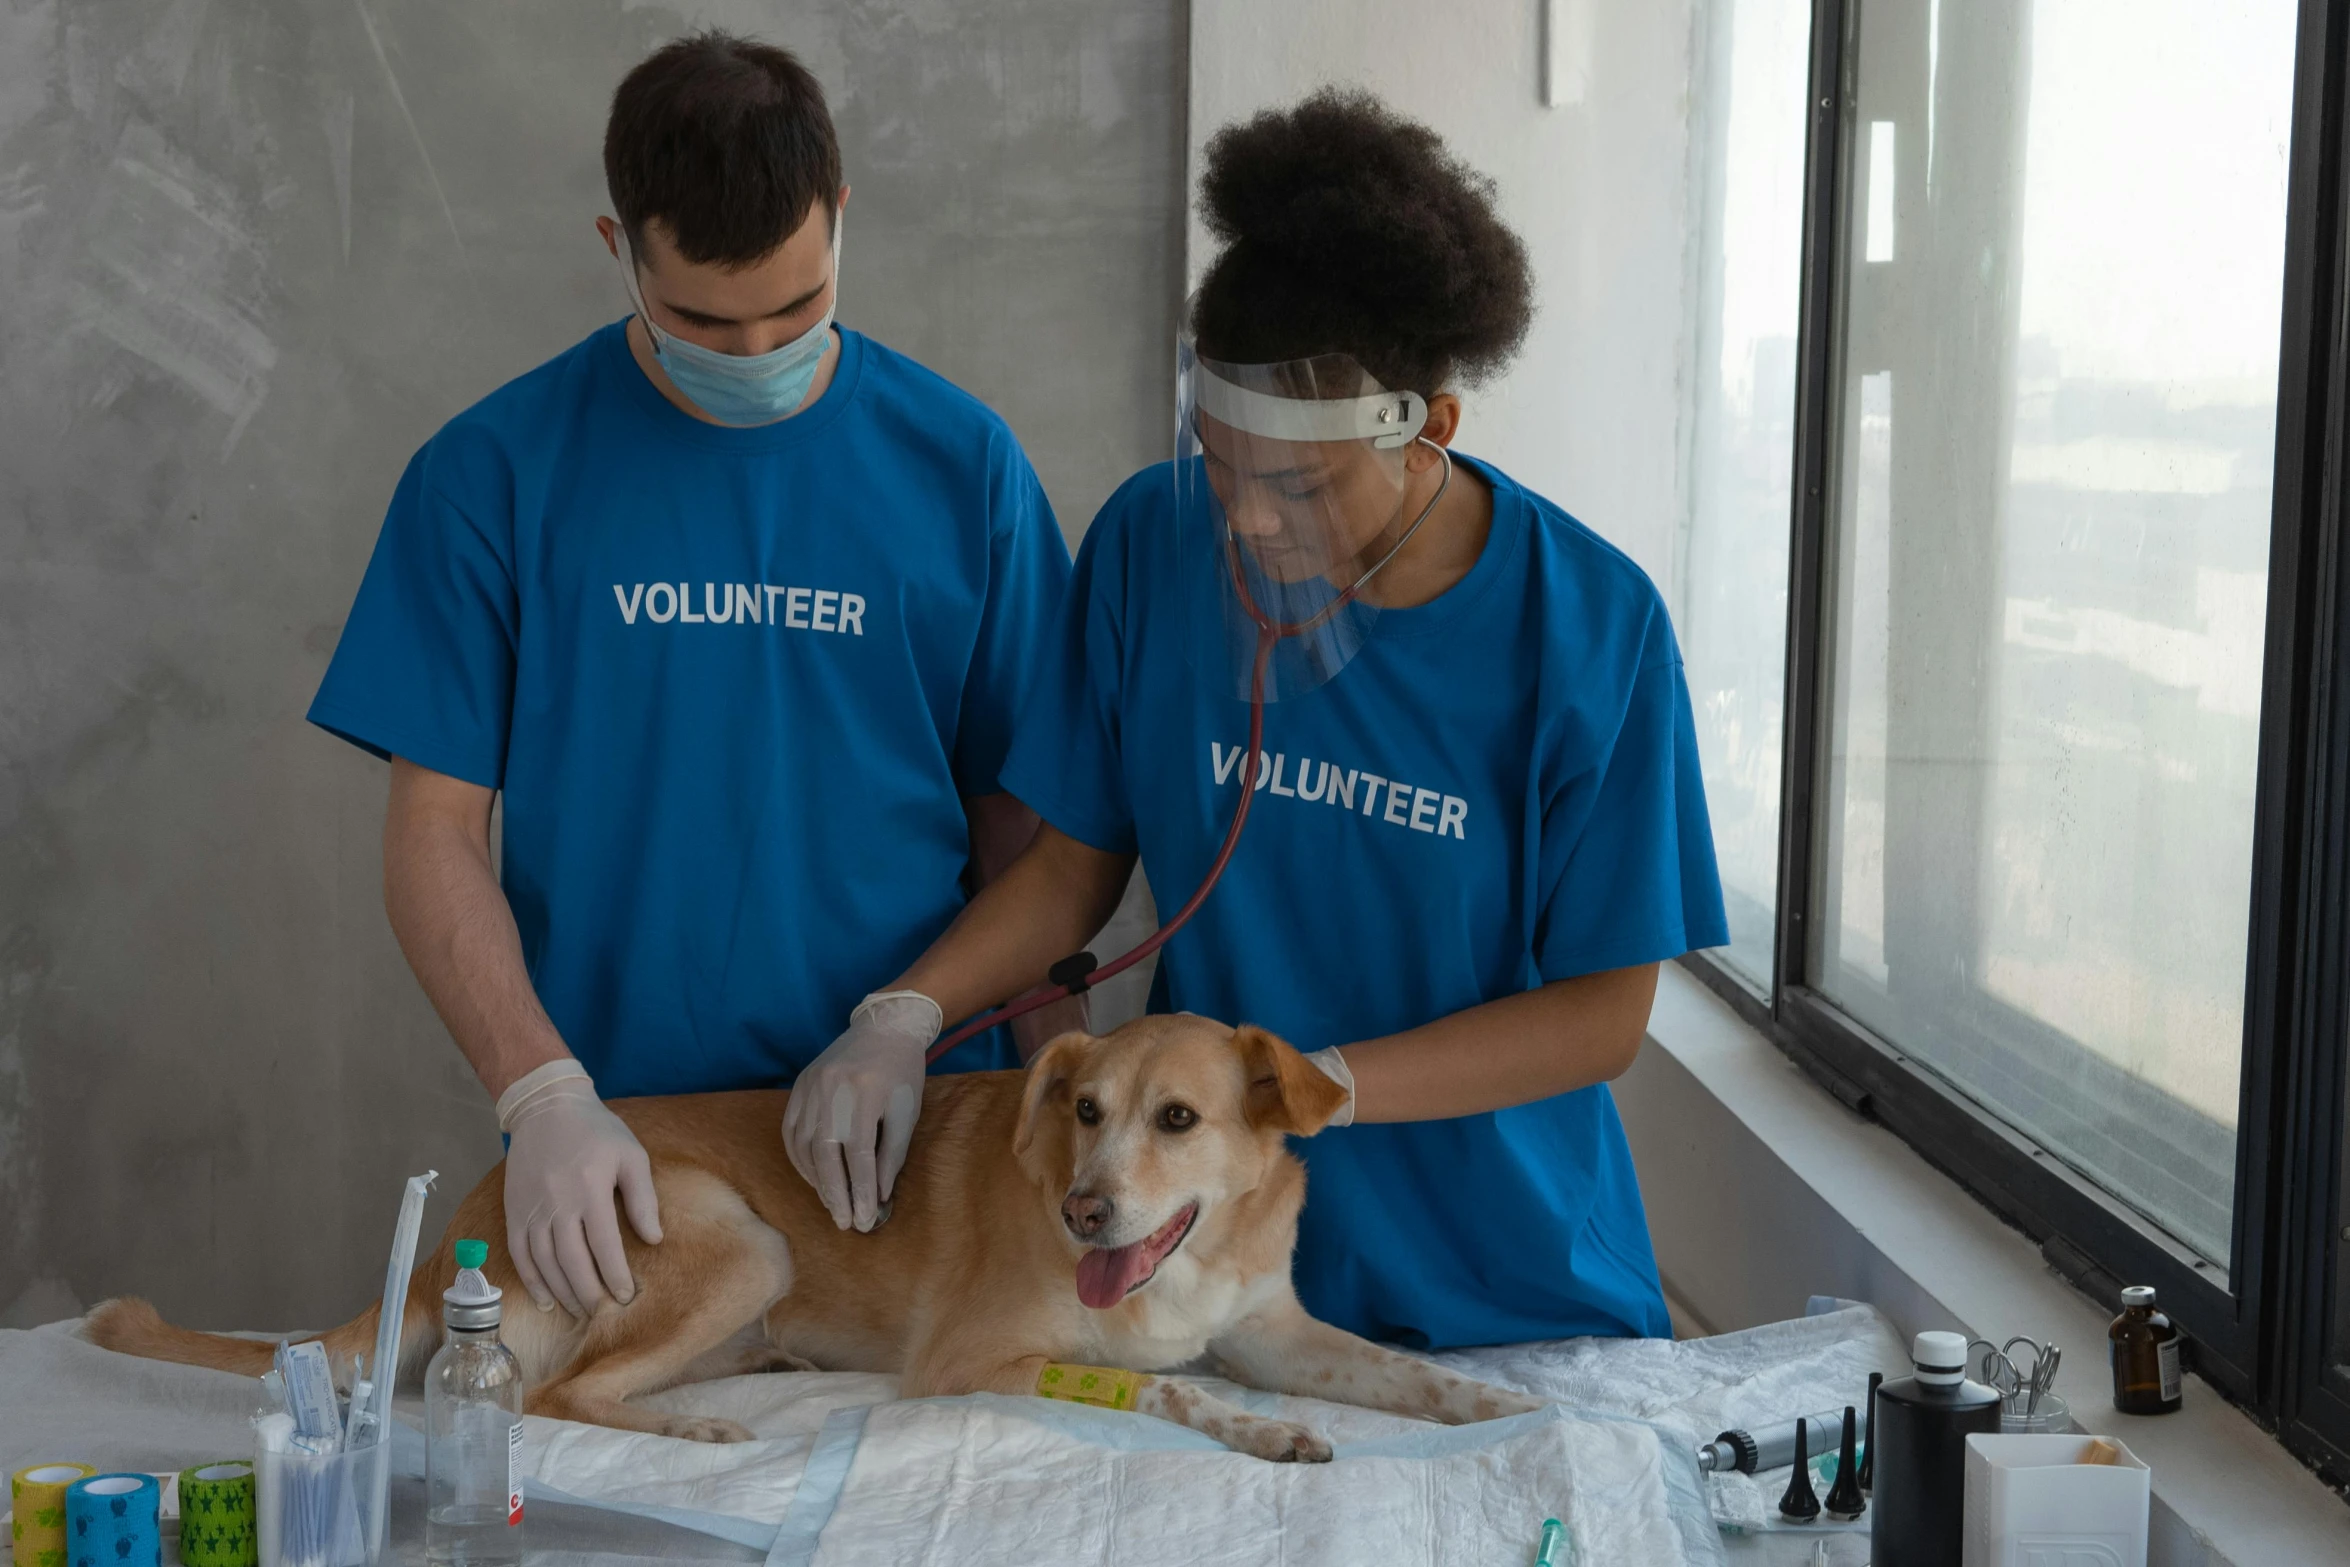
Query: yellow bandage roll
[[36, 1500], [1105, 1387]]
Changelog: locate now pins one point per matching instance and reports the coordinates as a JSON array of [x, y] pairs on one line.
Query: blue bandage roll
[[114, 1521]]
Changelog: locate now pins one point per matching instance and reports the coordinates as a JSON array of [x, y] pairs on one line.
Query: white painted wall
[[1591, 413]]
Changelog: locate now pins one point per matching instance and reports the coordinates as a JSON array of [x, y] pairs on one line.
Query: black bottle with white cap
[[1917, 1442]]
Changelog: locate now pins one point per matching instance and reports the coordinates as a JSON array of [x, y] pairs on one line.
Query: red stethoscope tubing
[[1269, 633]]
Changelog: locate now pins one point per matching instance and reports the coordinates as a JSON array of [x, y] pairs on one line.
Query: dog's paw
[[1281, 1442], [704, 1428]]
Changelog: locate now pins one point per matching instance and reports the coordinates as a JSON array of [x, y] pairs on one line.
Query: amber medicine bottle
[[2144, 1346]]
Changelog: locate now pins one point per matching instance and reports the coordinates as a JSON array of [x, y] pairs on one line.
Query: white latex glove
[[566, 1155], [865, 1089], [1334, 1067]]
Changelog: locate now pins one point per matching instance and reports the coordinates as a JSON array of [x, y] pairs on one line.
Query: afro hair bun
[[1347, 228]]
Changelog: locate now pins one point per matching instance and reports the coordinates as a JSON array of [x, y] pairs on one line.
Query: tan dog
[[1127, 1202]]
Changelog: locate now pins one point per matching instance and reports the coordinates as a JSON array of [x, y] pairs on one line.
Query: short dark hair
[[1350, 229], [726, 142]]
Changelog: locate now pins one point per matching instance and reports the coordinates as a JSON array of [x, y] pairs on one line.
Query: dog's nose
[[1086, 1214]]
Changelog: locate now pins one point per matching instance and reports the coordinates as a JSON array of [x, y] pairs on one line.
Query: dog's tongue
[[1106, 1275]]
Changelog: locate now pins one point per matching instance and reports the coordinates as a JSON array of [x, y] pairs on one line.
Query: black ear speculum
[[1800, 1503], [1845, 1502]]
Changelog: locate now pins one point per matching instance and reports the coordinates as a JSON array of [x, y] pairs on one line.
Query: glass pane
[[1733, 619], [2049, 545]]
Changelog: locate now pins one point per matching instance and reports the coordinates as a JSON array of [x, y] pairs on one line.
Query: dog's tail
[[133, 1327]]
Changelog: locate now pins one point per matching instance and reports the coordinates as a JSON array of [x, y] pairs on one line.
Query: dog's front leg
[[1283, 1350], [1279, 1441]]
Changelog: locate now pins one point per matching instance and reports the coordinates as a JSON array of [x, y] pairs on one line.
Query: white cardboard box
[[2054, 1501]]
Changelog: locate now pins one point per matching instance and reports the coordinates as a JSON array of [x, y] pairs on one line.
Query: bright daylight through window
[[2049, 532], [1733, 610]]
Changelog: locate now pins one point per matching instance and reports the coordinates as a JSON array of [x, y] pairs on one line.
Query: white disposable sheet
[[843, 1473]]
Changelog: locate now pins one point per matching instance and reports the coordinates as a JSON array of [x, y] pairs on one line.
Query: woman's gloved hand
[[565, 1156], [865, 1089], [1334, 1067]]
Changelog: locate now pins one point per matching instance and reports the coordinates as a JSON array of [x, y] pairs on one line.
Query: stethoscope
[[1080, 972]]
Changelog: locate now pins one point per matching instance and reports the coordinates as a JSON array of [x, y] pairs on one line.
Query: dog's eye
[[1178, 1118], [1089, 1112]]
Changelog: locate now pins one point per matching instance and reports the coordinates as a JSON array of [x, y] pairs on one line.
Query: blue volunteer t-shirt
[[733, 684], [1501, 789]]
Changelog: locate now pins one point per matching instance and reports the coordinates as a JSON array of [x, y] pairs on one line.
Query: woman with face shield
[[1474, 823]]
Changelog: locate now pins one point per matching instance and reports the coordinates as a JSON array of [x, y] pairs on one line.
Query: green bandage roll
[[216, 1516]]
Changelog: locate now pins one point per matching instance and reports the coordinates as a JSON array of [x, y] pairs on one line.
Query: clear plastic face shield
[[1292, 491]]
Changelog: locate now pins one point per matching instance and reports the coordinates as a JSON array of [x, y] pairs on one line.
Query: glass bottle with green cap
[[473, 1428]]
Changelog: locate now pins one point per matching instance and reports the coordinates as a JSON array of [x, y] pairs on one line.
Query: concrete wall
[[252, 252], [1592, 414]]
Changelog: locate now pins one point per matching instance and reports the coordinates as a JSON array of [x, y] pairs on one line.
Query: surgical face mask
[[742, 389]]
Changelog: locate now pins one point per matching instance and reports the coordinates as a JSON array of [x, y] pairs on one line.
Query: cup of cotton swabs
[[310, 1446], [322, 1468]]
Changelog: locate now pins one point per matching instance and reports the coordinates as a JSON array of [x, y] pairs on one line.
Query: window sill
[[1762, 1191]]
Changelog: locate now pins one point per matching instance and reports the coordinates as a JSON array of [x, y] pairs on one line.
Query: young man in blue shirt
[[734, 608], [1476, 821]]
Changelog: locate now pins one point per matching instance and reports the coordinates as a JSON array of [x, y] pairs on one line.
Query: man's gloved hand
[[565, 1156], [866, 1088]]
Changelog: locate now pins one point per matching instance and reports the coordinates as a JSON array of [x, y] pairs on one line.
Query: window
[[2044, 545], [1733, 599], [2048, 548]]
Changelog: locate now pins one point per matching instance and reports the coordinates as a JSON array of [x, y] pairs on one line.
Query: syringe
[[1772, 1447]]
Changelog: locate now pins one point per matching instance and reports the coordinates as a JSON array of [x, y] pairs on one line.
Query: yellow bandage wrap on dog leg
[[1104, 1387]]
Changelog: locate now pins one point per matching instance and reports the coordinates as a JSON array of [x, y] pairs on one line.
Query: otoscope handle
[[1772, 1447]]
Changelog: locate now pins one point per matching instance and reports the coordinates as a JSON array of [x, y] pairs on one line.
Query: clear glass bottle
[[473, 1429], [2144, 1346]]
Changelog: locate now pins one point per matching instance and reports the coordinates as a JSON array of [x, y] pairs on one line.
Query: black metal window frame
[[2272, 1330]]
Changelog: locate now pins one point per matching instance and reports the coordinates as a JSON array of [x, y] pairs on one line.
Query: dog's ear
[[1285, 1090], [1049, 1072]]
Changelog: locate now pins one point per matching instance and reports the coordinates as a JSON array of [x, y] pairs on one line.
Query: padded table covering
[[845, 1474]]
